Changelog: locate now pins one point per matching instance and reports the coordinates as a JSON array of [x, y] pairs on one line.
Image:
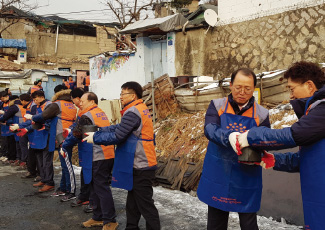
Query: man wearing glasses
[[307, 93], [227, 185], [135, 156]]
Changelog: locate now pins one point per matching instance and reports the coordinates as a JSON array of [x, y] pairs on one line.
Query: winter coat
[[309, 133], [62, 113]]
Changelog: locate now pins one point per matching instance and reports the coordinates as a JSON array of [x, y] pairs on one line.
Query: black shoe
[[37, 179], [88, 209], [28, 175], [68, 196], [78, 202]]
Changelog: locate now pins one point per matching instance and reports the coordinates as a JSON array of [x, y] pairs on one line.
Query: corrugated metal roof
[[55, 72], [13, 75], [165, 24]]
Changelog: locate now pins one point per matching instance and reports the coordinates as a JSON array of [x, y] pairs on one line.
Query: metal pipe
[[153, 99], [57, 38]]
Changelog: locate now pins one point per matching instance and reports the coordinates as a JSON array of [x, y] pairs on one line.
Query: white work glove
[[242, 139], [63, 153], [233, 139], [28, 116], [90, 137], [2, 112], [14, 127]]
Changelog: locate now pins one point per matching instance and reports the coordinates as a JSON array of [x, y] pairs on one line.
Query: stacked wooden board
[[164, 98]]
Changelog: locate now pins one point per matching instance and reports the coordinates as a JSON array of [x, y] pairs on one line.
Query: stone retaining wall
[[262, 44]]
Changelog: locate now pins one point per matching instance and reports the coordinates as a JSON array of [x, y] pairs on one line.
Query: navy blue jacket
[[212, 118], [12, 110], [116, 134]]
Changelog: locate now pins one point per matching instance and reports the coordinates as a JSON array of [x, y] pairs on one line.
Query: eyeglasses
[[122, 94], [291, 90], [246, 90]]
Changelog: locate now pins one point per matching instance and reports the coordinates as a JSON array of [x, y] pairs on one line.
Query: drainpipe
[[184, 27], [57, 38]]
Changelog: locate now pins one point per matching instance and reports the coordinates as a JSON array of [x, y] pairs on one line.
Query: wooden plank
[[192, 108], [198, 99], [278, 89], [278, 98]]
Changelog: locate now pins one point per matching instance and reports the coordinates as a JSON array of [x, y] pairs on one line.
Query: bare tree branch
[[128, 11]]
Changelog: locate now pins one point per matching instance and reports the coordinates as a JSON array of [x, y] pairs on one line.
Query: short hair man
[[17, 112], [307, 93], [61, 114], [38, 141], [83, 197], [86, 82], [97, 163], [10, 146], [135, 161], [72, 83], [227, 185]]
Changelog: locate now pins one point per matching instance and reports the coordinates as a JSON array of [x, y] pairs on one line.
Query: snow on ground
[[177, 203], [185, 211]]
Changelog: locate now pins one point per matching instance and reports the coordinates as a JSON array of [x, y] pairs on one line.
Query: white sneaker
[[5, 159]]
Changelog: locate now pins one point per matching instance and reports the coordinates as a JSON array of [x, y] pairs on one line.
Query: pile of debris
[[181, 146]]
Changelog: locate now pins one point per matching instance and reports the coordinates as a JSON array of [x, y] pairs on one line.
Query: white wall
[[231, 11], [171, 53], [106, 78]]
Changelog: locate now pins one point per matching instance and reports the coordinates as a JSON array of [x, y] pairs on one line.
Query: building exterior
[[54, 43]]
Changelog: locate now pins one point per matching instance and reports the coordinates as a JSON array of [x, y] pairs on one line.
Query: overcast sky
[[68, 9]]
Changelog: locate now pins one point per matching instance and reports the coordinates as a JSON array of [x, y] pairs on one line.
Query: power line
[[86, 11]]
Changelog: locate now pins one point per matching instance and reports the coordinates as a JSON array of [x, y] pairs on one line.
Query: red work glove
[[239, 152], [66, 132], [268, 160], [21, 132]]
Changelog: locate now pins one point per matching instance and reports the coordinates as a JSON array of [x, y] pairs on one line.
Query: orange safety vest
[[34, 88], [247, 113], [99, 118], [146, 155], [67, 84], [87, 80]]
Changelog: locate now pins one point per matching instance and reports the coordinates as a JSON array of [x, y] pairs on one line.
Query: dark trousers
[[18, 151], [11, 147], [218, 220], [84, 188], [45, 165], [23, 143], [100, 192], [68, 181], [139, 201], [32, 162], [3, 146]]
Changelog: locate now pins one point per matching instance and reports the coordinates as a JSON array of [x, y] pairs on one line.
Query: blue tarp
[[13, 43]]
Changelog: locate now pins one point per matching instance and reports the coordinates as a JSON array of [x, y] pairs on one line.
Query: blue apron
[[123, 164], [38, 138], [86, 160], [52, 134], [5, 131], [16, 121], [312, 179], [226, 184]]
